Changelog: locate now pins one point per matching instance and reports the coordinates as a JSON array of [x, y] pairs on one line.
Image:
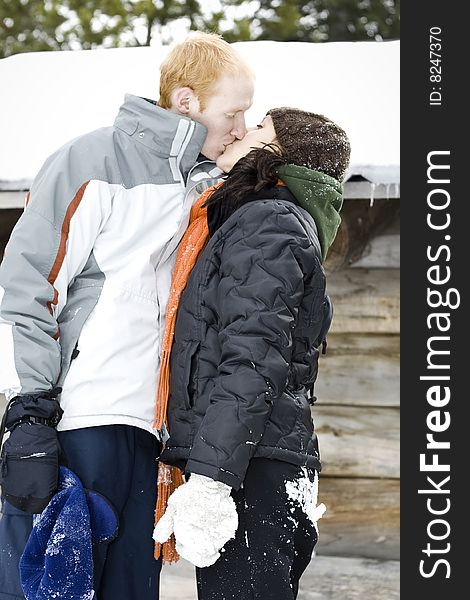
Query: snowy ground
[[326, 578]]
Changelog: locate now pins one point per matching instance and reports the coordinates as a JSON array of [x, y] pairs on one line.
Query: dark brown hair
[[252, 173]]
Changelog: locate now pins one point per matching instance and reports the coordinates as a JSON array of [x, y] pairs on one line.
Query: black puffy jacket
[[245, 347]]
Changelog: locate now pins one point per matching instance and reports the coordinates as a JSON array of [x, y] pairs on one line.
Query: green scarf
[[320, 195]]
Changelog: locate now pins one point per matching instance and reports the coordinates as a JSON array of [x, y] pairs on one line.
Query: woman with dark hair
[[244, 325]]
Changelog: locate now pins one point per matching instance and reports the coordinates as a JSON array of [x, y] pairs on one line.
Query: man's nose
[[239, 127]]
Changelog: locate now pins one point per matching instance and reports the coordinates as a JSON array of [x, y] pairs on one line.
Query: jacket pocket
[[302, 404], [81, 303], [304, 422], [309, 440], [184, 375]]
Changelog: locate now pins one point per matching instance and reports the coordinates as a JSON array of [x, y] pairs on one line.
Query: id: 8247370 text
[[435, 68]]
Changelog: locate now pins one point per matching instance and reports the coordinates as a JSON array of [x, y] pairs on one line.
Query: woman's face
[[256, 137]]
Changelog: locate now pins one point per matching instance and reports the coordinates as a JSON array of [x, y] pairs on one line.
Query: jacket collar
[[220, 211], [166, 133], [275, 192]]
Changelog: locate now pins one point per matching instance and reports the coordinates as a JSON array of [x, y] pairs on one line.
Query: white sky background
[[49, 98]]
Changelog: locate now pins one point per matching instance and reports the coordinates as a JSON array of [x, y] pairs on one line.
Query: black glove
[[29, 462]]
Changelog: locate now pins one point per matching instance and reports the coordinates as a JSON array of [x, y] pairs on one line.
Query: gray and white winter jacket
[[86, 274]]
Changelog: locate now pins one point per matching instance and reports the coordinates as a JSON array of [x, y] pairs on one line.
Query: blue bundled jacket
[[57, 561]]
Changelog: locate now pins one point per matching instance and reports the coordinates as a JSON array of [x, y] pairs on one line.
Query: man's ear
[[184, 101]]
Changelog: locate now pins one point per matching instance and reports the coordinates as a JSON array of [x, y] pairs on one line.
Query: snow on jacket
[[246, 336], [86, 273]]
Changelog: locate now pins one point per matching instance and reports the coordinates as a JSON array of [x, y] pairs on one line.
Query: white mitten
[[203, 517]]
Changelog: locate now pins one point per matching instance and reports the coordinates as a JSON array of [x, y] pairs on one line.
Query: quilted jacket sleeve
[[263, 262]]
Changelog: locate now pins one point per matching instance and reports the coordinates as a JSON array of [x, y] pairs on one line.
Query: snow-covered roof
[[49, 98]]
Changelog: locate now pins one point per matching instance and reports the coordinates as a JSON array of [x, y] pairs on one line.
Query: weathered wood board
[[365, 300], [362, 517], [382, 252], [360, 369], [358, 441], [361, 224]]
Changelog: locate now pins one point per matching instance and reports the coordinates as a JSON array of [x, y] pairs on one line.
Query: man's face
[[224, 114]]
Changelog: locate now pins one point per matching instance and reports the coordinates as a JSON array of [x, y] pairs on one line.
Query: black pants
[[274, 541], [118, 461]]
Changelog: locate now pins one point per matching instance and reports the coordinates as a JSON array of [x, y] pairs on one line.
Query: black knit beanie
[[311, 140]]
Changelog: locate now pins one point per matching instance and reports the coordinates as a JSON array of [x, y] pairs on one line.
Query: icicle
[[372, 191]]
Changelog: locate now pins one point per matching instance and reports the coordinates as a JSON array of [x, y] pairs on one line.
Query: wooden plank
[[369, 344], [12, 200], [362, 518], [382, 251], [365, 300], [364, 282], [358, 441], [361, 222], [326, 578], [360, 370]]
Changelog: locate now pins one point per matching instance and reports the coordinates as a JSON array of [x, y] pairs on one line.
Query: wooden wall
[[358, 408]]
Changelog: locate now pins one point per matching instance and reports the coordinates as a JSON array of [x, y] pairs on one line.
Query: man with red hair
[[83, 292]]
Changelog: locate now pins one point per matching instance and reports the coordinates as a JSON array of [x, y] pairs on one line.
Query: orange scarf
[[192, 244]]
